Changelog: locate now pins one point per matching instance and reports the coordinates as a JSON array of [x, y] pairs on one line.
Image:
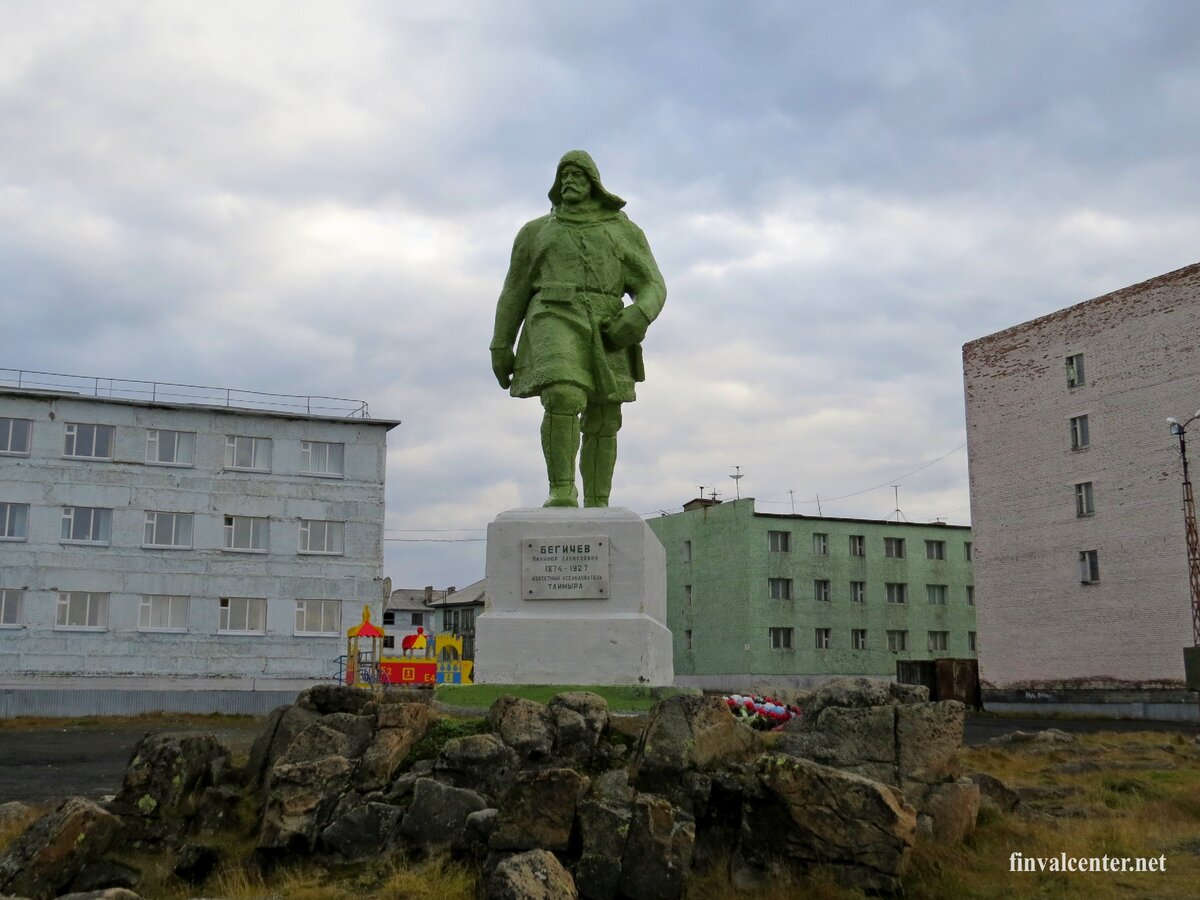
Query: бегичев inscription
[[564, 568]]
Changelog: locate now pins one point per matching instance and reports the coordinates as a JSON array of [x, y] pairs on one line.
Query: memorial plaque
[[564, 568]]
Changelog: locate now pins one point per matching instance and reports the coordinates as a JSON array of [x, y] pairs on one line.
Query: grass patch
[[442, 729], [621, 698], [16, 825]]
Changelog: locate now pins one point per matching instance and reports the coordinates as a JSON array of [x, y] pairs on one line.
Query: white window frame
[[938, 641], [259, 526], [896, 592], [316, 458], [820, 543], [858, 592], [858, 545], [781, 637], [99, 525], [935, 550], [173, 523], [779, 588], [1075, 371], [821, 638], [11, 602], [94, 607], [936, 594], [897, 640], [1085, 499], [158, 439], [259, 447], [72, 435], [152, 607], [8, 429], [326, 614], [893, 547], [322, 537], [779, 541], [822, 590], [14, 521], [1079, 430], [236, 611], [858, 639], [1089, 566]]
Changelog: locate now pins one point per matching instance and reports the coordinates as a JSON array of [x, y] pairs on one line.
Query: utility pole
[[1189, 524]]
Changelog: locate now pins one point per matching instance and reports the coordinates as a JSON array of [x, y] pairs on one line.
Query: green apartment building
[[792, 600]]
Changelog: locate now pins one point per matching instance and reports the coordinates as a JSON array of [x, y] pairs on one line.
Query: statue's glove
[[626, 328], [502, 364]]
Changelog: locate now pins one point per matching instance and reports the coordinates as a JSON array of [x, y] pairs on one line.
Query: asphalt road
[[44, 765]]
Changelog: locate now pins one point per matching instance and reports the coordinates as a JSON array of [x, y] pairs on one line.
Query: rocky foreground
[[551, 801]]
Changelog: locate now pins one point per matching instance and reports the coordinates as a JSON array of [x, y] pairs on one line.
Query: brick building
[[1081, 564]]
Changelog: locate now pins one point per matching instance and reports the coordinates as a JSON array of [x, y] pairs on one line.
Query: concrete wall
[[730, 610], [1039, 626], [43, 565]]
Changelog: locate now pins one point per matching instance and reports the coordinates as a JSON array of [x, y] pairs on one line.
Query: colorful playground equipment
[[423, 662]]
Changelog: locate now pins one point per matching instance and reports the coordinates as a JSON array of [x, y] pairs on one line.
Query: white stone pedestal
[[599, 624]]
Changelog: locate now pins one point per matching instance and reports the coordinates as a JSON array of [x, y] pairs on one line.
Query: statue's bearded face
[[576, 185]]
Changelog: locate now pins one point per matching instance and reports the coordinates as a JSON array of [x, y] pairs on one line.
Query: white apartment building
[[150, 547], [1081, 572]]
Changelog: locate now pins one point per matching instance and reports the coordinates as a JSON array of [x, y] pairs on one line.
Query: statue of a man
[[580, 345]]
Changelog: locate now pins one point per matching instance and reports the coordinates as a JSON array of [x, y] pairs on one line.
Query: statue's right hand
[[502, 364]]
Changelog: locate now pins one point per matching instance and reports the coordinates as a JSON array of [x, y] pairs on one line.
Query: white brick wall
[[1038, 626]]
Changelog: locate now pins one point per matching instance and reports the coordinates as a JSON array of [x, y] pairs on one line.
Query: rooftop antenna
[[792, 492], [714, 494], [737, 479], [900, 517], [819, 513]]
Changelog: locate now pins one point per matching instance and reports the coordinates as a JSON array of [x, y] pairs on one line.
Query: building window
[[319, 617], [822, 638], [858, 592], [970, 595], [1084, 502], [1089, 566], [1075, 370], [779, 541], [687, 551], [88, 441], [171, 448], [167, 529], [253, 454], [389, 642], [687, 595], [858, 545], [687, 639], [1079, 433], [14, 436], [821, 544], [893, 548], [246, 533], [389, 617], [967, 550], [10, 607], [897, 592], [780, 588], [858, 638], [162, 612], [322, 458], [935, 549], [317, 536], [821, 590], [897, 641], [83, 610], [416, 618], [938, 640], [86, 525], [781, 638], [936, 594], [242, 615], [971, 641], [14, 521]]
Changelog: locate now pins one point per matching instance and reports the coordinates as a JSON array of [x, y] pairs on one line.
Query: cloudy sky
[[320, 198]]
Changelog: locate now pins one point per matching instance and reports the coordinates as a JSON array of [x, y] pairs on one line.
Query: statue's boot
[[598, 458], [560, 445]]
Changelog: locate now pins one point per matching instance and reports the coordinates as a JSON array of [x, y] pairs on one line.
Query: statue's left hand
[[502, 365], [626, 328]]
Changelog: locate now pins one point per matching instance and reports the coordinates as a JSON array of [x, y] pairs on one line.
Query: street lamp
[[1191, 655]]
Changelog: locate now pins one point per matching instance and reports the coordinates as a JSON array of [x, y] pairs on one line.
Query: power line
[[434, 540]]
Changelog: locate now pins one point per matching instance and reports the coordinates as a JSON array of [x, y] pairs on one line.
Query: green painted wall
[[730, 610]]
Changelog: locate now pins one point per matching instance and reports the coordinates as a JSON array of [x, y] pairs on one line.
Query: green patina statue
[[580, 345]]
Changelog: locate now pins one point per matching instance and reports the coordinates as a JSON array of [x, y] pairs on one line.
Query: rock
[[525, 725], [539, 811], [217, 809], [284, 723], [613, 787], [1049, 736], [953, 808], [908, 693], [804, 814], [196, 862], [658, 851], [114, 893], [478, 762], [12, 812], [860, 740], [533, 875], [603, 830], [409, 716], [365, 831], [333, 698], [300, 798], [478, 830], [928, 736], [104, 874], [317, 741], [164, 780], [438, 814], [687, 732], [995, 791], [580, 718], [44, 859], [359, 730], [400, 727], [848, 693]]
